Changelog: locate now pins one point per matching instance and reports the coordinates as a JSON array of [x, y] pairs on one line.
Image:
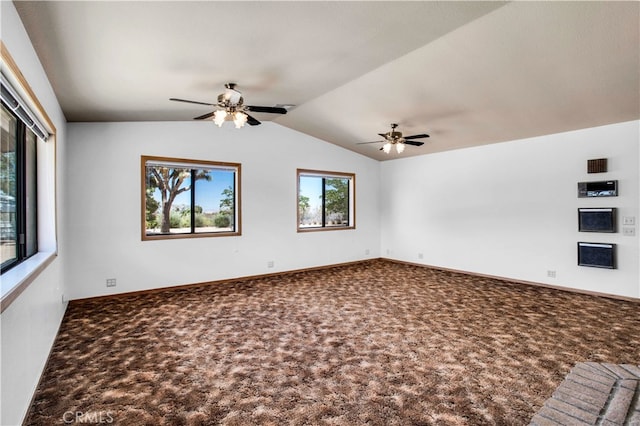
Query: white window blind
[[11, 98]]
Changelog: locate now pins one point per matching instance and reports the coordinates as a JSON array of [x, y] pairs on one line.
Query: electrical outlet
[[366, 252], [629, 220], [111, 282], [270, 264], [551, 274], [628, 232], [420, 256]]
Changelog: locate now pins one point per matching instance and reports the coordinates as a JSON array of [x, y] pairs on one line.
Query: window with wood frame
[[326, 200], [189, 198]]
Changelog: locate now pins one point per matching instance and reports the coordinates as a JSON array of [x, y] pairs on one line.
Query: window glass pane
[[310, 202], [168, 200], [336, 193], [31, 219], [215, 200], [8, 189]]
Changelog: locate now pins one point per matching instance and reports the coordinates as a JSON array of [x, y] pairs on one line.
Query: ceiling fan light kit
[[399, 147], [396, 139], [219, 116], [238, 118], [231, 107]]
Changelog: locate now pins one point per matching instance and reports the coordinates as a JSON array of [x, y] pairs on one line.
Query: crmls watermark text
[[90, 417]]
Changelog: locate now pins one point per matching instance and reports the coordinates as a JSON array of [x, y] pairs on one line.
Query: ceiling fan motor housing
[[394, 135]]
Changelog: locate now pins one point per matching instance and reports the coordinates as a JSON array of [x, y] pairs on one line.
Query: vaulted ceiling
[[467, 73]]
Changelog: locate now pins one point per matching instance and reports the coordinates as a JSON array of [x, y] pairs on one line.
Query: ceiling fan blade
[[422, 135], [363, 143], [205, 116], [272, 110], [252, 121], [384, 135], [190, 102], [414, 143]]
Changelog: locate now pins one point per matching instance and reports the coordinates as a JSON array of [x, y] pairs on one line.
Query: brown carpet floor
[[375, 343]]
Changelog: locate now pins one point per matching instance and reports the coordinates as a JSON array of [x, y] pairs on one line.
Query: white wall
[[30, 323], [510, 209], [104, 219]]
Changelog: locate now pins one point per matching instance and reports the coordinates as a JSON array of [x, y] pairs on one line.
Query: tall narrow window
[[326, 200], [18, 191], [188, 198]]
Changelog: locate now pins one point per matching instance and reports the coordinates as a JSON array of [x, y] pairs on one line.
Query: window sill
[[325, 228], [18, 278]]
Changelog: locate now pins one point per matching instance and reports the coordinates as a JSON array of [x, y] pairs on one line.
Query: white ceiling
[[467, 73]]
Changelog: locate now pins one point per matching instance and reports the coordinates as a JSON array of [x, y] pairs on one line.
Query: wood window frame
[[144, 159], [351, 202]]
